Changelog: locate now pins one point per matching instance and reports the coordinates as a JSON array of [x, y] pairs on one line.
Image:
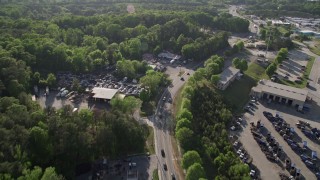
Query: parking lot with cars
[[293, 67], [281, 127]]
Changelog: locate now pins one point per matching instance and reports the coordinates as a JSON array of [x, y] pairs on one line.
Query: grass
[[256, 72], [177, 102], [305, 77], [155, 175], [150, 141], [316, 48], [237, 94]]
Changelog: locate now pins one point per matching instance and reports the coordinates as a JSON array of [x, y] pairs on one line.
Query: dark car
[[173, 177], [182, 79], [165, 167], [162, 153], [188, 73]]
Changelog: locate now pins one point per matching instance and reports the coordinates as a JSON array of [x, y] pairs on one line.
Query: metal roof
[[227, 74], [283, 90], [103, 93]]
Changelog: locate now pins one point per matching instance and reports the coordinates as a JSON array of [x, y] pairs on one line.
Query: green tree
[[126, 105], [183, 123], [185, 113], [215, 79], [185, 137], [189, 158], [195, 172], [51, 80], [50, 173], [271, 69], [36, 78]]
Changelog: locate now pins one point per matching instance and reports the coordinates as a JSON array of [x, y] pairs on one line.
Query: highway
[[163, 124]]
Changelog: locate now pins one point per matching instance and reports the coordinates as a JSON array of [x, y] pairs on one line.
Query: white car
[[233, 128], [252, 173]]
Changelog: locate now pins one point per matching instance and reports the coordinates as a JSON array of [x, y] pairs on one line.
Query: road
[[163, 124], [253, 28]]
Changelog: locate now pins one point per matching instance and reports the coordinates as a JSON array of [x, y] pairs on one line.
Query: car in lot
[[252, 173], [165, 167], [162, 153], [232, 128]]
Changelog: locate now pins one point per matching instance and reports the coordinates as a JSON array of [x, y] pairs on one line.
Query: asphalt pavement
[[163, 124]]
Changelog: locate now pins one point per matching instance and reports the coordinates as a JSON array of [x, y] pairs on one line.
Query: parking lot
[[140, 167], [268, 169], [293, 68]]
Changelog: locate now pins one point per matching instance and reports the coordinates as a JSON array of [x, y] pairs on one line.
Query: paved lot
[[268, 170], [289, 114], [292, 68]]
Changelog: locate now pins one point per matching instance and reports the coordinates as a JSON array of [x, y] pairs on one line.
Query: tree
[[185, 113], [215, 79], [195, 172], [239, 170], [271, 69], [185, 136], [189, 158], [185, 103], [51, 80], [126, 105], [263, 33], [241, 64], [183, 123], [76, 84], [36, 78], [50, 173]]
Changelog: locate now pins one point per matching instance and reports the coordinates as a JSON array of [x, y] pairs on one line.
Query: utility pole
[[269, 38]]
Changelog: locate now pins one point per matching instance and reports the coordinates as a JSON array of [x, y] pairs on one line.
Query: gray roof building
[[280, 93], [227, 76]]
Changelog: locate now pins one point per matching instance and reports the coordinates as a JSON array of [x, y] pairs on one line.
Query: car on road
[[173, 177], [188, 73], [233, 128], [165, 167], [162, 153], [182, 79], [164, 99]]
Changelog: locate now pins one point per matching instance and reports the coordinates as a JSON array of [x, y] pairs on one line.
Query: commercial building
[[104, 94], [280, 93], [227, 77]]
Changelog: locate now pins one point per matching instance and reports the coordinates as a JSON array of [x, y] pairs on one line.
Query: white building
[[280, 93], [227, 77]]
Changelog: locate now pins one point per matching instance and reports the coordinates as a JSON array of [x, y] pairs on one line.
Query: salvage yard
[[269, 169]]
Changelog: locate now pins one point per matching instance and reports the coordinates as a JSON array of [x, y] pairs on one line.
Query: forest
[[39, 39], [266, 8], [201, 129]]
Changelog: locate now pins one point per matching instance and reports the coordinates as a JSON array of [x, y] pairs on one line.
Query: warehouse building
[[280, 93], [227, 77]]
